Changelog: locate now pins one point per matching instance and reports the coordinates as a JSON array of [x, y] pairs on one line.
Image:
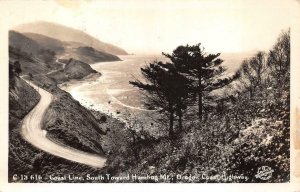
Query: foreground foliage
[[244, 130]]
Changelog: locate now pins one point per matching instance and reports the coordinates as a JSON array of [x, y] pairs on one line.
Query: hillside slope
[[28, 63], [23, 43], [46, 42], [42, 59], [22, 98], [63, 49], [90, 55], [64, 33]]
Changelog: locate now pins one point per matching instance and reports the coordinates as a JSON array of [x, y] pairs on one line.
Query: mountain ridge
[[45, 48], [64, 33]]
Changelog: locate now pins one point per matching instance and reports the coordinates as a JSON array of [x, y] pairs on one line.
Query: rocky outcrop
[[73, 69]]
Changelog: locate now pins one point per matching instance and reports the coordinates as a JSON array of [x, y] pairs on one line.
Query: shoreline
[[107, 99], [73, 85], [66, 86], [130, 119]]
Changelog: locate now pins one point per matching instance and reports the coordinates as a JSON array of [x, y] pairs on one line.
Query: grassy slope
[[22, 98], [67, 122], [29, 64]]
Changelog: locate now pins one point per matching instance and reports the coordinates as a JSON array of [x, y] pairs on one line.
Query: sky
[[153, 26]]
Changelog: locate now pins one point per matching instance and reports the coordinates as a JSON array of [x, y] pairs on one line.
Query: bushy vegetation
[[233, 134], [265, 142]]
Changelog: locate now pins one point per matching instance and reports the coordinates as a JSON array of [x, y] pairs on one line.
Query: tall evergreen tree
[[204, 68], [168, 90]]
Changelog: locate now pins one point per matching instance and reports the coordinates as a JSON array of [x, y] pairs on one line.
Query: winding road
[[33, 133]]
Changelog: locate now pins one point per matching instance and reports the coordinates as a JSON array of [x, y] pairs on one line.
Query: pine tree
[[204, 68], [168, 90]]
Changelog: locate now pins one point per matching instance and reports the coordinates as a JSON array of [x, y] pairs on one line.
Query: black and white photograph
[[149, 91]]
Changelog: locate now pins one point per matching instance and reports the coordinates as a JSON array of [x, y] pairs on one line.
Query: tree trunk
[[171, 118], [200, 96], [180, 120], [200, 104]]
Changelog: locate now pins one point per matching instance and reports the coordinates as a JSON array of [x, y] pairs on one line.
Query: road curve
[[57, 61], [32, 132]]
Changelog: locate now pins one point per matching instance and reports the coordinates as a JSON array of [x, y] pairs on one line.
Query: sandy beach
[[110, 93]]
